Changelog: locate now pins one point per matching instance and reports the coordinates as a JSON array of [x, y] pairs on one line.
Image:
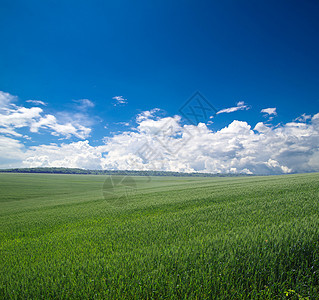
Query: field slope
[[171, 238]]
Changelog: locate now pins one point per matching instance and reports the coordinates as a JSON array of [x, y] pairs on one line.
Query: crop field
[[77, 237]]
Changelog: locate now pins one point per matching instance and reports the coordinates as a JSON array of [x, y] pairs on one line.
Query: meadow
[[64, 237]]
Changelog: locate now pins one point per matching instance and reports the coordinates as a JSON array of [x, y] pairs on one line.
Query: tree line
[[54, 170]]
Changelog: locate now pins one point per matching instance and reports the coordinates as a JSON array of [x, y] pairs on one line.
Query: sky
[[188, 86]]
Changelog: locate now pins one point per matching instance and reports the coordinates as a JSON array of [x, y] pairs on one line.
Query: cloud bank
[[237, 148], [160, 143]]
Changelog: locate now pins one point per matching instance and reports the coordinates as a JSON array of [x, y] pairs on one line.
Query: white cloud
[[315, 119], [11, 152], [6, 98], [37, 102], [303, 118], [67, 129], [262, 128], [150, 126], [291, 147], [84, 104], [119, 100], [10, 131], [269, 111], [147, 114], [19, 117], [13, 117], [123, 123], [161, 143], [240, 106], [74, 155]]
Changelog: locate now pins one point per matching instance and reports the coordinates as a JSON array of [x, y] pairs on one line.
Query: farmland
[[170, 238]]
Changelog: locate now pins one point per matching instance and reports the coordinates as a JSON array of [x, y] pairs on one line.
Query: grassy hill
[[86, 237]]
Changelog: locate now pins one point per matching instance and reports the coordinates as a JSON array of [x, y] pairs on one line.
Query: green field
[[171, 238]]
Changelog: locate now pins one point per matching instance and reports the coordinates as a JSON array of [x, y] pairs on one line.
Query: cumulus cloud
[[147, 114], [315, 118], [269, 111], [74, 155], [18, 117], [37, 102], [13, 117], [161, 143], [12, 152], [119, 100], [240, 106], [66, 130], [166, 144]]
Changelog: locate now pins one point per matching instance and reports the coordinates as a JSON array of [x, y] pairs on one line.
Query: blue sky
[[155, 54]]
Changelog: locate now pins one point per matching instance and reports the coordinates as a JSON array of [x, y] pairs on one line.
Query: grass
[[173, 238]]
